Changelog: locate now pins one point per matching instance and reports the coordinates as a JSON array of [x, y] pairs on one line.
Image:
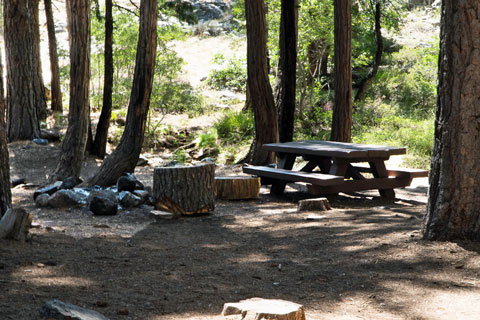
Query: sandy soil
[[362, 260]]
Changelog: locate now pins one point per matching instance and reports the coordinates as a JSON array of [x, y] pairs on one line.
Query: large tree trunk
[[260, 90], [342, 110], [22, 118], [38, 84], [100, 143], [287, 67], [5, 192], [124, 158], [73, 147], [454, 196], [52, 49], [365, 83]]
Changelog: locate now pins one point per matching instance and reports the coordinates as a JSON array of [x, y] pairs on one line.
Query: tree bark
[[287, 70], [365, 82], [100, 142], [73, 146], [22, 117], [52, 50], [454, 196], [342, 110], [124, 158], [260, 90], [5, 192], [38, 84], [185, 190]]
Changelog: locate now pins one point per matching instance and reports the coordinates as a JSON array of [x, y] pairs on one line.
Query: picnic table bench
[[341, 168]]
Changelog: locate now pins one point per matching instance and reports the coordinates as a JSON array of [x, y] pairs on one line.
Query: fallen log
[[15, 224], [185, 190], [237, 187]]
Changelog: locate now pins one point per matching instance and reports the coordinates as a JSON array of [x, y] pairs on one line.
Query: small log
[[318, 204], [185, 189], [15, 224], [237, 187], [258, 308]]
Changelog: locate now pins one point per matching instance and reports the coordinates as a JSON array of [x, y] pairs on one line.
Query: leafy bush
[[232, 75], [235, 127], [168, 94], [415, 135], [208, 139], [410, 82]]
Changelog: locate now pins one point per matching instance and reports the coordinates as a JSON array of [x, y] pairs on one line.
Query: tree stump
[[237, 187], [185, 189], [258, 308], [318, 204], [15, 224]]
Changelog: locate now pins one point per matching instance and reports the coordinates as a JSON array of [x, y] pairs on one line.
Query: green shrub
[[409, 82], [235, 127], [208, 139], [232, 75]]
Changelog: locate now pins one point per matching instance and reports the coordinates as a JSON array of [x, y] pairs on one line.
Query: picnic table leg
[[380, 171], [284, 161]]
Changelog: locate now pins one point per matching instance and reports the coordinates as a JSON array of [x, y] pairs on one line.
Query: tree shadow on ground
[[261, 248]]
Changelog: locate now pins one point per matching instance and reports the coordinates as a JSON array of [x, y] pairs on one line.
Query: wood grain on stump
[[237, 187], [318, 204], [185, 189], [258, 308]]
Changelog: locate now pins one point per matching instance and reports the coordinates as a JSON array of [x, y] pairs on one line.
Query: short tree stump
[[317, 204], [185, 190], [258, 308], [237, 187]]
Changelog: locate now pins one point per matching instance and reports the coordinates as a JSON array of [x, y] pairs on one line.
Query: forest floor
[[364, 259]]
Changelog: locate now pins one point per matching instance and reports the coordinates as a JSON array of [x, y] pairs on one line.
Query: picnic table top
[[334, 149]]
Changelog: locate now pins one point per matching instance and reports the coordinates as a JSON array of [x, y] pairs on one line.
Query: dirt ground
[[362, 260]]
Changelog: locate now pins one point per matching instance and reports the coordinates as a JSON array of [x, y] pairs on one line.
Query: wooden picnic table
[[333, 167]]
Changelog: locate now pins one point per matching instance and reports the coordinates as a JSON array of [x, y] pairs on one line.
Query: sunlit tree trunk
[[38, 84], [73, 146], [52, 49], [125, 157], [5, 192], [261, 95], [100, 143], [342, 110], [454, 196]]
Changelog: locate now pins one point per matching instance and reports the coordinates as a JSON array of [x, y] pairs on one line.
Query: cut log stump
[[15, 224], [317, 204], [185, 190], [258, 308], [237, 187]]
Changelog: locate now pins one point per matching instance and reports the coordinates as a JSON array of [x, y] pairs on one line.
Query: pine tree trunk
[[185, 190], [38, 84], [5, 192], [22, 118], [73, 146], [287, 66], [100, 143], [454, 197], [342, 111], [54, 69], [266, 129], [124, 158]]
